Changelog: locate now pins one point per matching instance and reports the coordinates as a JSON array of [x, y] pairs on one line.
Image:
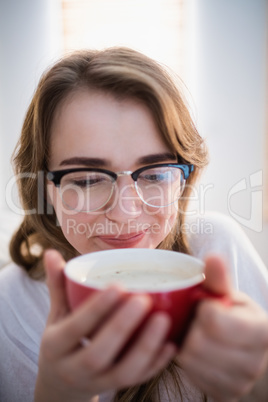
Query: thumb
[[54, 264], [217, 275]]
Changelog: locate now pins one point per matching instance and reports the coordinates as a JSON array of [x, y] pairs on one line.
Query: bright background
[[218, 48]]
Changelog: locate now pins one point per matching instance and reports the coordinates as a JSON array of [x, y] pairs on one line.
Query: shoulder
[[9, 224], [23, 301], [215, 233], [11, 277], [15, 280], [9, 273], [24, 305]]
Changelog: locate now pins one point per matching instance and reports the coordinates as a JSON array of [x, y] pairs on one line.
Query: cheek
[[78, 230], [167, 224], [79, 225], [163, 222], [170, 222], [75, 226]]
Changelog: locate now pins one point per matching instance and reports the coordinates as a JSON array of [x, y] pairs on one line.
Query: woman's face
[[98, 131]]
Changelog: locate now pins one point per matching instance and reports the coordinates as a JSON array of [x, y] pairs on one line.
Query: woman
[[107, 158]]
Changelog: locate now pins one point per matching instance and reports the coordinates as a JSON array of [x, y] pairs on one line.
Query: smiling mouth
[[125, 236], [123, 240]]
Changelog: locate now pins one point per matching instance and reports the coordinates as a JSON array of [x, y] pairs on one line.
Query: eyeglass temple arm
[[187, 169]]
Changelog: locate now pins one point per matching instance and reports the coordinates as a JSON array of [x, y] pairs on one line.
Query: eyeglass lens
[[90, 191]]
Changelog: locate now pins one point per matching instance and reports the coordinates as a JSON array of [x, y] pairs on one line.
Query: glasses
[[90, 189]]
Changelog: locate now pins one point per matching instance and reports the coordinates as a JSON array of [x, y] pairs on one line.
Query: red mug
[[173, 280]]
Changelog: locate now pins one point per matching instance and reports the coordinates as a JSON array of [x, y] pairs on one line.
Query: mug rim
[[184, 283]]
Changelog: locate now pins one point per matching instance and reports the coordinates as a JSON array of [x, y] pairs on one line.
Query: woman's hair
[[124, 74]]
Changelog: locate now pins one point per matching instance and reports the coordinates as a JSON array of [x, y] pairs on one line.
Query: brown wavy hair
[[125, 74]]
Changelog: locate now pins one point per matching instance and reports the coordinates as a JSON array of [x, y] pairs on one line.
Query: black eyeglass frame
[[56, 175]]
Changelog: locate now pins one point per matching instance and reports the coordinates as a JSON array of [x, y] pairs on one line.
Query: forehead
[[99, 125]]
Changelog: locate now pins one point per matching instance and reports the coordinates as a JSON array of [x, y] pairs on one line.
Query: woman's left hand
[[226, 349]]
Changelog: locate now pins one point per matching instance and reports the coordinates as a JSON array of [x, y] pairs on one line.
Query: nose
[[125, 203]]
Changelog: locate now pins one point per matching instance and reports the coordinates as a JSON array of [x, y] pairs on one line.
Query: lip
[[123, 240]]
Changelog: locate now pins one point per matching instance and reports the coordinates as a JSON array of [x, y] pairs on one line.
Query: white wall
[[30, 40], [229, 89]]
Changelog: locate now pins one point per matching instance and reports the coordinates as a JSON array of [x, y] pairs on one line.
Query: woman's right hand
[[71, 371]]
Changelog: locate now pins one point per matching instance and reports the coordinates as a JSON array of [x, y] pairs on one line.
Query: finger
[[233, 370], [54, 265], [233, 362], [244, 324], [228, 381], [67, 335], [164, 356], [143, 354], [110, 339], [122, 377], [217, 275], [229, 359]]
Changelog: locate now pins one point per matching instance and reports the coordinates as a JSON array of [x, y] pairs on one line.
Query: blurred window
[[159, 28]]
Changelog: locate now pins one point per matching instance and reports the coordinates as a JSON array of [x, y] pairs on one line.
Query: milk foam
[[135, 277]]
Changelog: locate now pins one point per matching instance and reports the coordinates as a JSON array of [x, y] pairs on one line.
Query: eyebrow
[[156, 158], [98, 162], [84, 161]]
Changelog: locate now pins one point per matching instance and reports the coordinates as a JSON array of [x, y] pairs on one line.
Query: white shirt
[[24, 304]]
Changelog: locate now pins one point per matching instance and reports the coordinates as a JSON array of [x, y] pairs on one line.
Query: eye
[[85, 180], [156, 175], [88, 182]]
